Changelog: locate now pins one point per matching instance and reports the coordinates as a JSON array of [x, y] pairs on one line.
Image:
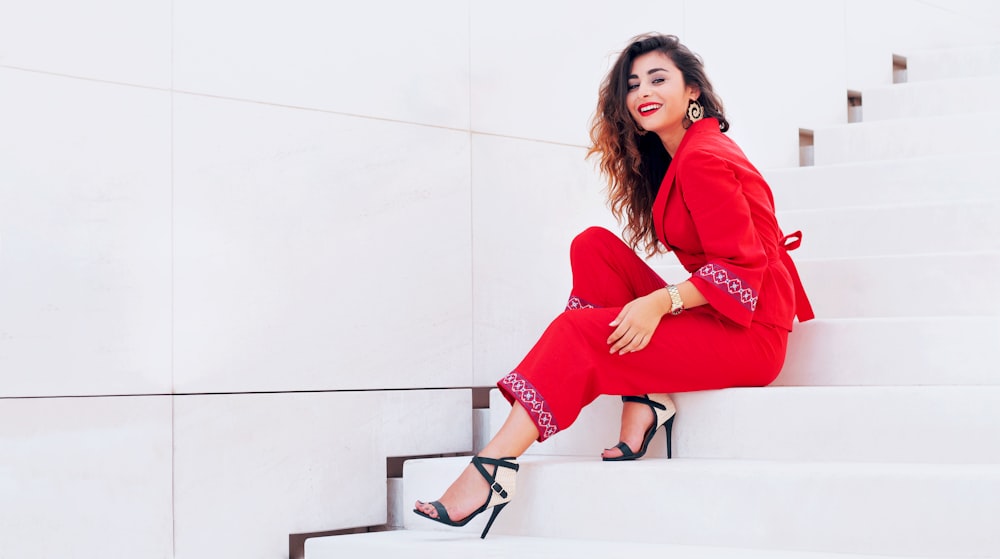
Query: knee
[[591, 240]]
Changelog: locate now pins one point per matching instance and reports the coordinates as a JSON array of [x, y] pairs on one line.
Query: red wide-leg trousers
[[571, 363]]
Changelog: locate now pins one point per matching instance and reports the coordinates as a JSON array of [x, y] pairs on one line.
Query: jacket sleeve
[[735, 259]]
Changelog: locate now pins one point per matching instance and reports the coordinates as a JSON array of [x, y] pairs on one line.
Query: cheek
[[629, 103]]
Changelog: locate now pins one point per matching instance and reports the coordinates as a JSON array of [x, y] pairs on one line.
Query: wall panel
[[537, 66], [88, 478], [84, 237], [397, 60], [115, 40], [318, 251]]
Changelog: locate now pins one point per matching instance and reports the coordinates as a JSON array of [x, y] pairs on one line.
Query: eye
[[633, 86], [659, 80]]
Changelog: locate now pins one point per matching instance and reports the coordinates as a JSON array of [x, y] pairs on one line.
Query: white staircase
[[881, 437]]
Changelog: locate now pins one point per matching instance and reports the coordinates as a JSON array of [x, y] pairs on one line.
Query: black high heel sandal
[[663, 416], [503, 482]]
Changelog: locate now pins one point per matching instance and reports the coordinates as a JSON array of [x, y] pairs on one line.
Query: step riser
[[895, 286], [899, 139], [928, 511], [953, 63], [893, 352], [873, 424], [900, 230], [880, 183], [936, 98], [903, 286]]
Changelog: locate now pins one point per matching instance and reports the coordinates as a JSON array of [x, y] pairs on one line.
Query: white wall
[[202, 200]]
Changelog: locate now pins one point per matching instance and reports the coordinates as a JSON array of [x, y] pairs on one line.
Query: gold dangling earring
[[695, 112]]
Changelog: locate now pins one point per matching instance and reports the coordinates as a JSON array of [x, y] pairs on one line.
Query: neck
[[672, 139]]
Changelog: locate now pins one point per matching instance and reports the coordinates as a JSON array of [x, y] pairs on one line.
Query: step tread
[[929, 98], [417, 544], [973, 120], [969, 176], [939, 510], [906, 138], [805, 424], [952, 84], [737, 467]]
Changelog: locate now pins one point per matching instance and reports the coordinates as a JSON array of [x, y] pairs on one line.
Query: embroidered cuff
[[521, 389], [730, 284]]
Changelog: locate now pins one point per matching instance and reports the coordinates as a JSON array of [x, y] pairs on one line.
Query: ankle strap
[[506, 462], [478, 462], [644, 400]]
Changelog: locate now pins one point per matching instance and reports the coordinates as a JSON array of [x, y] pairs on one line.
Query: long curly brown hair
[[632, 161]]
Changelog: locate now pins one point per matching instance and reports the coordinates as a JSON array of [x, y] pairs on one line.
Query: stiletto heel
[[496, 511], [663, 416], [502, 483], [669, 427]]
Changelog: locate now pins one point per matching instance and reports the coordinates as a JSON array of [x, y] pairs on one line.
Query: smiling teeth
[[648, 108]]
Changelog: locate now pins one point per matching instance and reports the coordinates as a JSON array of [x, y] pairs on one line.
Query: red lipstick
[[647, 109]]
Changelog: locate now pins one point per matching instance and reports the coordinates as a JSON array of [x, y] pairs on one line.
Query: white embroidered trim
[[733, 285], [521, 389], [578, 303]]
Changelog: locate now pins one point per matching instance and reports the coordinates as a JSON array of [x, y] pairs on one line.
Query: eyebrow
[[649, 73]]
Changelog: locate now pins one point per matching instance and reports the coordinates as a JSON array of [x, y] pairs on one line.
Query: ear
[[694, 92]]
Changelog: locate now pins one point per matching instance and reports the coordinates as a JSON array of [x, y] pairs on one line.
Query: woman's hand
[[634, 326]]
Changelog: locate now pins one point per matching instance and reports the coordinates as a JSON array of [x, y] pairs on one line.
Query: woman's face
[[657, 97]]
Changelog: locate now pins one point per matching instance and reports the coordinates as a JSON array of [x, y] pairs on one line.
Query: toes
[[426, 508]]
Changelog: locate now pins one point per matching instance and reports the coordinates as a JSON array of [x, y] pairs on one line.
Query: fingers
[[631, 341], [618, 319], [628, 335]]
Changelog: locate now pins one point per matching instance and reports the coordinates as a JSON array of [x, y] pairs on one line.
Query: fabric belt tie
[[803, 309]]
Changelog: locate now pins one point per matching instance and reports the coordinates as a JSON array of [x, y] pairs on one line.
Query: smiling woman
[[618, 130], [679, 185]]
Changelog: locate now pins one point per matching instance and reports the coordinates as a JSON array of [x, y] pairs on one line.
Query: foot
[[463, 497], [637, 418]]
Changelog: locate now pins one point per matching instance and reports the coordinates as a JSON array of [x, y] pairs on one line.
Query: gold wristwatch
[[676, 304]]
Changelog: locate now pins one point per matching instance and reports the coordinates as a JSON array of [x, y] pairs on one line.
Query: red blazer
[[716, 212]]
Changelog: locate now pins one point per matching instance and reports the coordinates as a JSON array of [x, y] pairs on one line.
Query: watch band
[[676, 304]]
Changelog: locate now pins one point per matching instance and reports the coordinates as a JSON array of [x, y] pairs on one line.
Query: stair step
[[931, 98], [944, 64], [968, 226], [951, 424], [926, 510], [925, 180], [908, 351], [419, 544], [894, 286], [906, 138], [893, 352], [900, 286]]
